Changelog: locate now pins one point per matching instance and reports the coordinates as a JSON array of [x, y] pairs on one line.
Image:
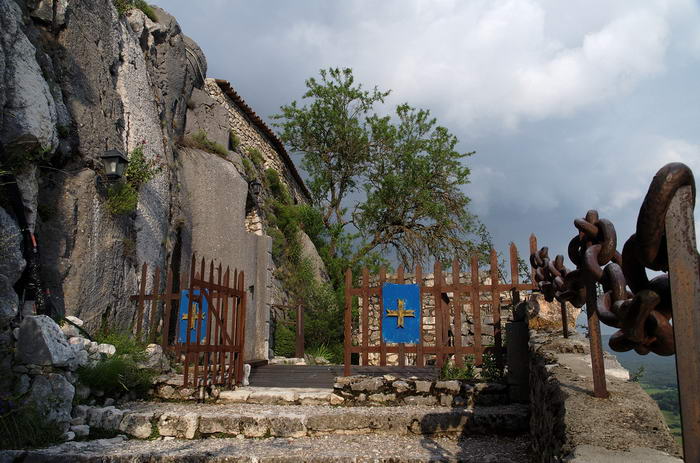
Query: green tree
[[405, 168]]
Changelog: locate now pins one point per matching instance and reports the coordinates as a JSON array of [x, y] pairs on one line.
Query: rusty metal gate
[[209, 332]]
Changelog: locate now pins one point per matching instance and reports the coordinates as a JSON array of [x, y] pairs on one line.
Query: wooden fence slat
[[382, 344], [533, 249], [224, 328], [476, 307], [420, 359], [402, 346], [167, 308], [365, 315], [347, 328], [154, 305], [239, 373], [457, 303], [439, 309], [140, 308], [496, 309]]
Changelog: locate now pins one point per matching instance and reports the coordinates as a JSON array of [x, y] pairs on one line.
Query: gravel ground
[[354, 448]]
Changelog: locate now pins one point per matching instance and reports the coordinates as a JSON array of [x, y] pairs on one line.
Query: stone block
[[41, 342], [137, 425], [112, 418], [400, 386], [382, 398], [452, 386], [180, 426], [236, 396], [423, 386], [446, 400], [420, 400], [368, 385], [314, 398], [335, 399], [272, 397], [288, 426], [80, 430]]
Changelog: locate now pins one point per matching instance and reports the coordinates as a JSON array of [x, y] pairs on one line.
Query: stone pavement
[[326, 449]]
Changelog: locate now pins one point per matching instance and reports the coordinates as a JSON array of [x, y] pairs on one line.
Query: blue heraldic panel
[[401, 313], [197, 313]]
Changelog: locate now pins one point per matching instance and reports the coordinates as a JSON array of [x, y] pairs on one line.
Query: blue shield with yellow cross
[[401, 313], [199, 312]]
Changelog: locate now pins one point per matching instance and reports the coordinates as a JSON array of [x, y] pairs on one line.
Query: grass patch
[[200, 140], [123, 6], [120, 373], [122, 198], [256, 156], [233, 141], [450, 372], [24, 427]]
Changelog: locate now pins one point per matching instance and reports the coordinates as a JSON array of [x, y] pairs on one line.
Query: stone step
[[326, 449], [194, 421], [280, 396]]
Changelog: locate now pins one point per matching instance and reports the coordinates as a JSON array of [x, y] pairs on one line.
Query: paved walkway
[[326, 449]]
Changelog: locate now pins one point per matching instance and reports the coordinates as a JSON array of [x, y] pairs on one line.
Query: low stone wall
[[568, 424], [360, 390]]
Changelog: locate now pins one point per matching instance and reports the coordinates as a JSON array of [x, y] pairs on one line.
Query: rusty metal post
[[564, 319], [600, 389], [684, 272], [299, 351]]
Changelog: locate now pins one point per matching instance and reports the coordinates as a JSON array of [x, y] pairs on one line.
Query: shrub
[[123, 6], [122, 198], [124, 343], [117, 375], [140, 170], [24, 427], [256, 156], [233, 141], [284, 340], [490, 371], [466, 373], [201, 141]]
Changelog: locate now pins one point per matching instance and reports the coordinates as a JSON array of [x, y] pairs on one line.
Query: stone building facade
[[253, 133]]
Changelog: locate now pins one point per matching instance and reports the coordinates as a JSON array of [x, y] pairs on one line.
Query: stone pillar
[[518, 337]]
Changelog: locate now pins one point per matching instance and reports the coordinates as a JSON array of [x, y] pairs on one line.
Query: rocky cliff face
[[71, 89], [78, 78]]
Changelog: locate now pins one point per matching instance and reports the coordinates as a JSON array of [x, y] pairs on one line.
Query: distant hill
[[658, 371]]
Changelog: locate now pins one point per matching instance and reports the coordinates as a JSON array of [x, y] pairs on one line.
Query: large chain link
[[643, 312], [644, 318]]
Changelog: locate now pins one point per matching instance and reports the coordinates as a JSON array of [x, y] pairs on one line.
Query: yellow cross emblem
[[200, 316], [400, 313]]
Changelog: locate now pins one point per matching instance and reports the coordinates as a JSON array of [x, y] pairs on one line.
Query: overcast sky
[[569, 105]]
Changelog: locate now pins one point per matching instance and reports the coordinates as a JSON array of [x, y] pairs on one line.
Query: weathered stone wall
[[252, 137], [213, 200], [566, 421]]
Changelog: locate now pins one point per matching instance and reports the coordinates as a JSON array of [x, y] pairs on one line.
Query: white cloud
[[495, 61]]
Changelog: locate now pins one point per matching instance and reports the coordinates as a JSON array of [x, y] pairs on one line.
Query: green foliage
[[233, 140], [21, 154], [24, 427], [284, 340], [248, 168], [465, 373], [201, 141], [276, 187], [122, 199], [123, 6], [490, 371], [117, 375], [140, 170], [411, 173], [638, 374], [124, 343], [256, 156]]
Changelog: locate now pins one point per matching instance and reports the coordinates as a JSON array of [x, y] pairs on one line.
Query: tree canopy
[[382, 183]]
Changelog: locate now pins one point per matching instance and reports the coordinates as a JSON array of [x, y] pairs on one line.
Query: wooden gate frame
[[225, 344], [439, 291]]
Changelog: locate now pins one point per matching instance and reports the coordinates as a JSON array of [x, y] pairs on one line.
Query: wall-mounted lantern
[[114, 163]]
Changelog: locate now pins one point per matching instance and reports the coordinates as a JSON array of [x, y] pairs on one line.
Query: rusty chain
[[641, 308]]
